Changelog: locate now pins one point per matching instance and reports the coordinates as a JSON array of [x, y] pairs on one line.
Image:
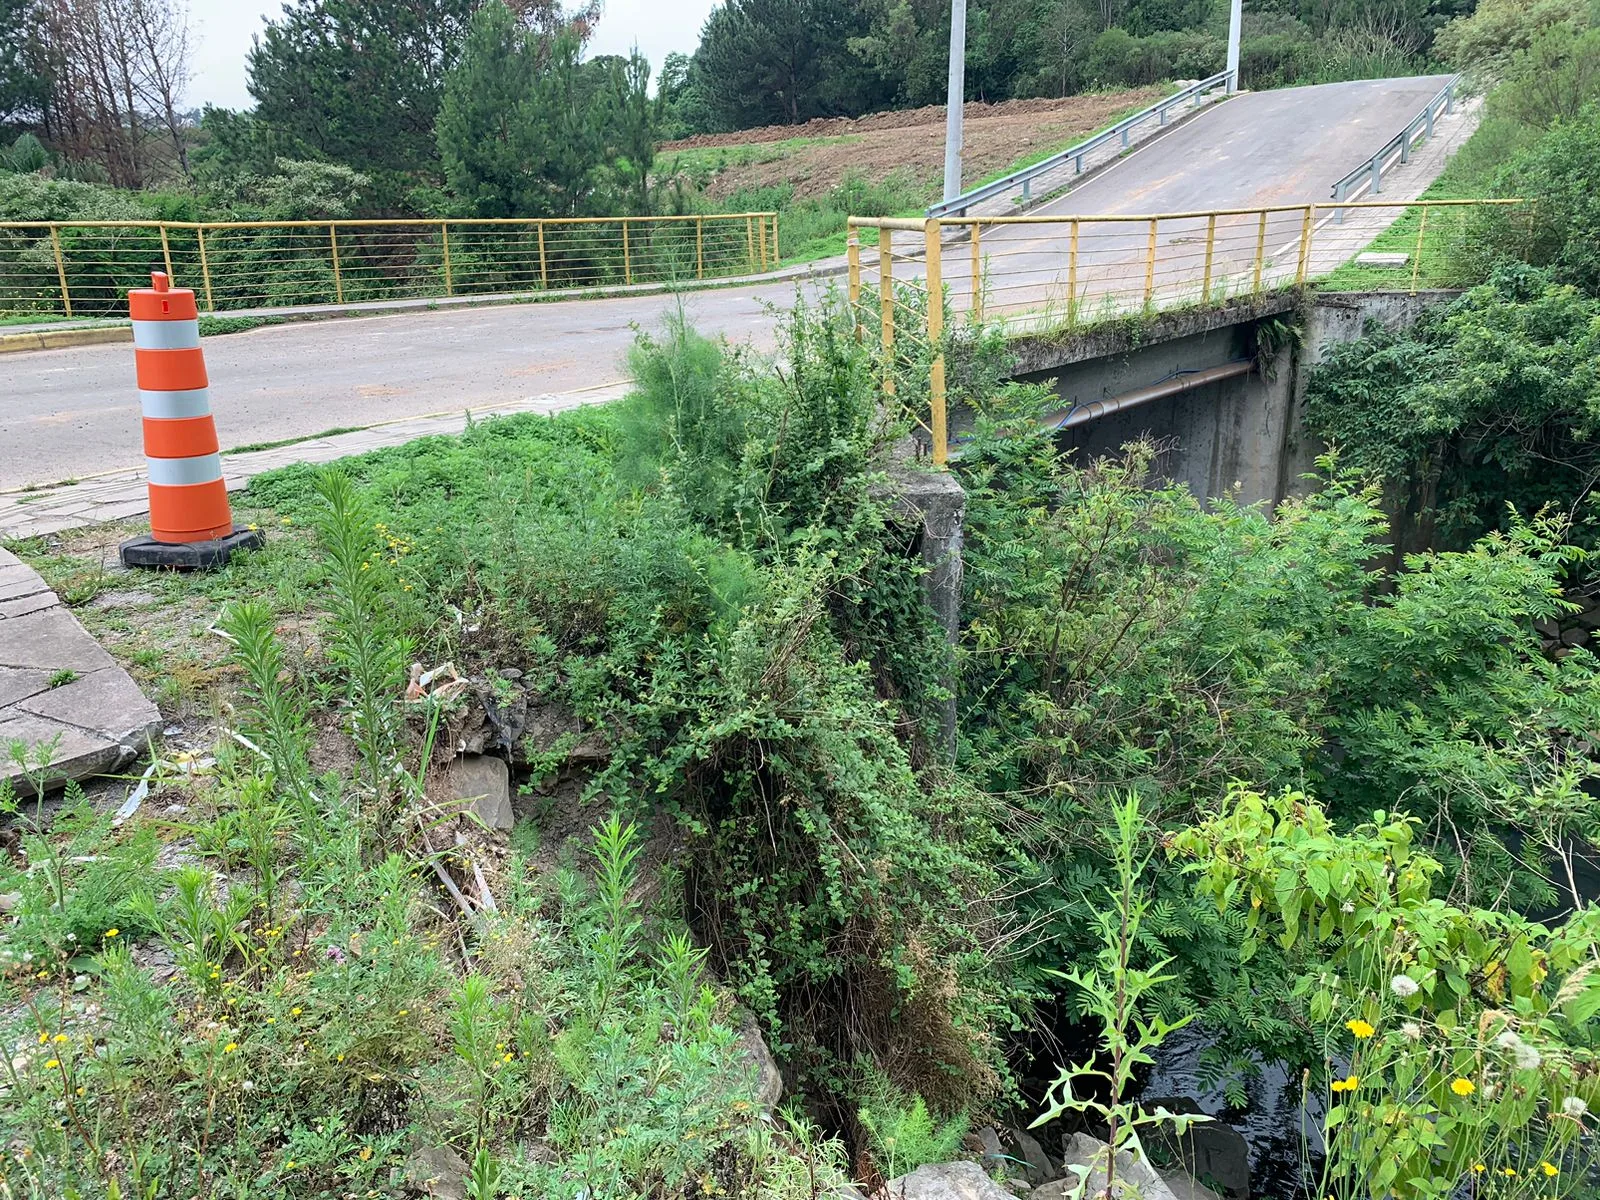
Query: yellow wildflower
[[230, 1047], [1360, 1028], [112, 932], [59, 1038], [366, 1154], [52, 1064], [1550, 1169], [1463, 1087], [1348, 1084]]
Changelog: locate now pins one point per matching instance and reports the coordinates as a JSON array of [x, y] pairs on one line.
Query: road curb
[[64, 339]]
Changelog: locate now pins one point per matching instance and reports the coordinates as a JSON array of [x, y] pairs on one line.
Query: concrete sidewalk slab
[[59, 687]]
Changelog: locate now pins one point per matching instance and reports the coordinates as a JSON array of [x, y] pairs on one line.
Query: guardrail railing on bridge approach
[[85, 268], [1368, 177], [1037, 177], [1047, 274]]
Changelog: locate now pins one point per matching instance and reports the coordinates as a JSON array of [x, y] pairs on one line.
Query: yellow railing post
[[544, 266], [61, 269], [1261, 249], [852, 255], [1306, 228], [886, 305], [166, 254], [977, 275], [776, 257], [1416, 261], [338, 279], [750, 242], [762, 222], [205, 269], [1150, 266], [1072, 274], [449, 278], [699, 247], [936, 397], [627, 261], [1211, 255]]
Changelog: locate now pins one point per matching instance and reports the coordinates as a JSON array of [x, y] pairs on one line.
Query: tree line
[[785, 61]]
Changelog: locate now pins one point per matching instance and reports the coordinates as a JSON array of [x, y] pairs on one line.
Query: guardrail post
[[1078, 165], [166, 253], [338, 280], [1377, 175], [1124, 137], [1405, 144], [1150, 266], [1428, 124], [1161, 114], [776, 257], [1027, 188], [449, 282], [61, 269], [544, 266], [886, 305], [1339, 193], [205, 268], [700, 248], [1211, 252], [936, 384], [852, 253], [1072, 274], [977, 275], [1261, 250], [1416, 259], [1449, 101], [1306, 228]]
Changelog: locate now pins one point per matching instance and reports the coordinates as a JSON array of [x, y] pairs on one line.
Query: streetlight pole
[[1235, 21], [956, 99]]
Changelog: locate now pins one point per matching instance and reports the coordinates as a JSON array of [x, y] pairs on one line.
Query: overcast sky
[[223, 28]]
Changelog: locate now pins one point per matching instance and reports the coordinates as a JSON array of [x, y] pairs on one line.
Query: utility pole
[[1235, 21], [956, 100]]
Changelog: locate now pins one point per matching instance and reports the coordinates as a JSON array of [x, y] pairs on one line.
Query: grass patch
[[252, 447], [8, 319], [222, 326]]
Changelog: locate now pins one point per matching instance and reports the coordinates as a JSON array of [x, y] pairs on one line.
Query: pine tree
[[359, 81], [487, 134]]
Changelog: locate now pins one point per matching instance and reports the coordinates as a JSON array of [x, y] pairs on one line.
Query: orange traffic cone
[[190, 523]]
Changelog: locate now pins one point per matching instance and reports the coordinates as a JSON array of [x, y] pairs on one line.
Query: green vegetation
[[710, 587]]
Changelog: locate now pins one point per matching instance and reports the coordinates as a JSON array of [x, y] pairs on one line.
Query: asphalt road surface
[[71, 413]]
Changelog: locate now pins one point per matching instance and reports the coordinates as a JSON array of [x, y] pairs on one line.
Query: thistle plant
[[1114, 992]]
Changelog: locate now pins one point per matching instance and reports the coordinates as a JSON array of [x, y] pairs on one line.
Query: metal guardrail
[[1023, 179], [1368, 177], [85, 268]]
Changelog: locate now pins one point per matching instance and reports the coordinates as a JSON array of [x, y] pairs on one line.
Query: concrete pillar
[[935, 502]]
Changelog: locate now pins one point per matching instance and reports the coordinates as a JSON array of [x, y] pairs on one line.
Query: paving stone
[[18, 684], [22, 606], [51, 640], [106, 702], [14, 586], [78, 753]]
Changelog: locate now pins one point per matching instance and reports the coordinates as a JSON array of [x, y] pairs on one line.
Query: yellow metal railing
[[85, 268], [1048, 273]]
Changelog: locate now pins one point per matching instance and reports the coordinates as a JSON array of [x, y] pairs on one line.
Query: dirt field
[[910, 142]]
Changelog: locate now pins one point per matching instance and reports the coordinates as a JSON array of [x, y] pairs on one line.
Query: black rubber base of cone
[[188, 556]]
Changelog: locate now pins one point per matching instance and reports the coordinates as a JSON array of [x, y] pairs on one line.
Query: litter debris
[[135, 797], [443, 683]]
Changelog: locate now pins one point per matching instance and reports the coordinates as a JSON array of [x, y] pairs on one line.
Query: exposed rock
[[1547, 628], [947, 1181], [1131, 1179], [1589, 619], [752, 1047], [1212, 1150], [484, 780], [993, 1152], [437, 1171], [1575, 637], [1039, 1168], [1184, 1187]]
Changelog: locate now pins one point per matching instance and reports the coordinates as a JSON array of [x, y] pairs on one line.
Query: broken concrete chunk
[[484, 782]]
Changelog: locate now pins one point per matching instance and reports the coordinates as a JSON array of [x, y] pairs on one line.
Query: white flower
[[1347, 907], [1412, 1030], [1574, 1107], [1404, 986], [1525, 1056], [248, 1085]]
